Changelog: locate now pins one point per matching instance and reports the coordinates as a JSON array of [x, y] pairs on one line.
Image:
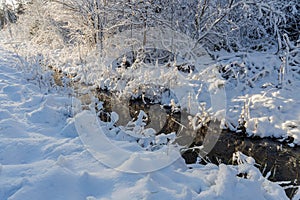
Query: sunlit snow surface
[[42, 157], [251, 84], [269, 109], [11, 3]]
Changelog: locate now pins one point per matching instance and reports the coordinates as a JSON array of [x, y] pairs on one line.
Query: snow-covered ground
[[42, 156], [47, 149], [255, 87], [260, 88], [256, 94]]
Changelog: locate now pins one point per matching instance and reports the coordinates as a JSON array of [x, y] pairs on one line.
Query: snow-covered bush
[[235, 25], [247, 25], [9, 11], [7, 15]]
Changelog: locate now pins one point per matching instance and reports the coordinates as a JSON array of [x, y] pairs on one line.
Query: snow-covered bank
[[262, 93], [42, 157], [260, 85]]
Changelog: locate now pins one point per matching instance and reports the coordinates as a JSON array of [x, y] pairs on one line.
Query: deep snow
[[42, 156]]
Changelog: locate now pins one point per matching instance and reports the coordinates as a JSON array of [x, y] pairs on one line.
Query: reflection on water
[[271, 156]]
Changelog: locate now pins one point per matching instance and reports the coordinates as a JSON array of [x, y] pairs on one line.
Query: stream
[[275, 159]]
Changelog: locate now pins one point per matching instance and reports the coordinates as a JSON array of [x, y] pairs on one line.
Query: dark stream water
[[277, 159], [272, 157]]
